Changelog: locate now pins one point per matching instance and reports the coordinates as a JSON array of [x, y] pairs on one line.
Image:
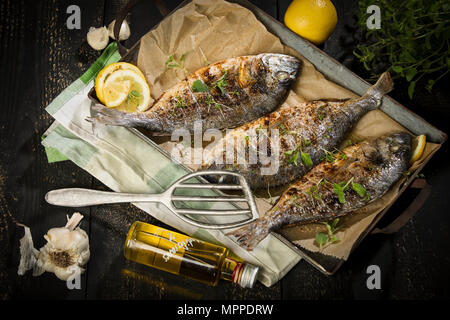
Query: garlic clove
[[98, 38], [124, 32]]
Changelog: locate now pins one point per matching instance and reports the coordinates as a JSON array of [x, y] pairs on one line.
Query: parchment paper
[[213, 30]]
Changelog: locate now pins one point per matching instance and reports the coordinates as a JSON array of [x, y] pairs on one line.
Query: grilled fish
[[222, 95], [306, 133], [334, 189]]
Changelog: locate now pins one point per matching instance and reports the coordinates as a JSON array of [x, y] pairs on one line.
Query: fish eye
[[282, 75], [394, 148]]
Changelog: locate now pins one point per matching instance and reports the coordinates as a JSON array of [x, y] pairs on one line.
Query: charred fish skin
[[375, 165], [313, 128], [238, 90]]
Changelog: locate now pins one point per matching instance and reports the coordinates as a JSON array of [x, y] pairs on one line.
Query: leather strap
[[123, 13], [409, 212]]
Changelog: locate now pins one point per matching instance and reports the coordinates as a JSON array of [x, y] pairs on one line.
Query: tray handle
[[123, 13], [409, 212]]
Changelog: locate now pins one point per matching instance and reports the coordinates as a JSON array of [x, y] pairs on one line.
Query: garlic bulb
[[98, 38], [124, 32], [66, 251]]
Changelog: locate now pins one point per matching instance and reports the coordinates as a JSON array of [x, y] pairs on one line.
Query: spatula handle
[[78, 197]]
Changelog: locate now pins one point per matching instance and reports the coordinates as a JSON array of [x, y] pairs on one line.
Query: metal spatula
[[77, 197]]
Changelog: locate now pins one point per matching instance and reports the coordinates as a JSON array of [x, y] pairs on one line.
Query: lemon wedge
[[418, 145], [107, 71], [137, 97]]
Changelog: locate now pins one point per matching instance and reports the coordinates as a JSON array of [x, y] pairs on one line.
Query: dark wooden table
[[39, 57]]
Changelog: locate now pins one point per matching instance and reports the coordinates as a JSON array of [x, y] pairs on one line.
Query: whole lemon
[[314, 20]]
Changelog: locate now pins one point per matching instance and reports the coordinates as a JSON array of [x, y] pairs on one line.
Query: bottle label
[[177, 247]]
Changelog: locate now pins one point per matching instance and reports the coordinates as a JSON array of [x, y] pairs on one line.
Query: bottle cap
[[248, 275]]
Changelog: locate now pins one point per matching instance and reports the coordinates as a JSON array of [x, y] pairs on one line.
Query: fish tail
[[250, 235], [113, 117], [383, 86]]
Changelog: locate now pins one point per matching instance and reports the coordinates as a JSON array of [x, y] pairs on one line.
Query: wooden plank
[[41, 57]]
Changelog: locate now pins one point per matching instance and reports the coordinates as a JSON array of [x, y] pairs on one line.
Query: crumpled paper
[[207, 31]]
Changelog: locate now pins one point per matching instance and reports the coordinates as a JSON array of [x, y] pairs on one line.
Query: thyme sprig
[[172, 63], [221, 83]]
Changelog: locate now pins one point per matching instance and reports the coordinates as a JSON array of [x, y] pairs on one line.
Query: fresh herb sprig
[[413, 41], [211, 102], [172, 63], [133, 95], [332, 156], [221, 83], [294, 153], [320, 112], [325, 239], [340, 188]]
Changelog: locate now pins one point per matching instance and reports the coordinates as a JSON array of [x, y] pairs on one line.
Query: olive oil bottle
[[180, 254]]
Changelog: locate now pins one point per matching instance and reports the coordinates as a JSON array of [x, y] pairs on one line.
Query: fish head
[[282, 69], [395, 148]]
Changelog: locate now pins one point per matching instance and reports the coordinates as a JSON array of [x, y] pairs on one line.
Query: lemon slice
[[137, 97], [107, 71], [115, 93], [418, 145]]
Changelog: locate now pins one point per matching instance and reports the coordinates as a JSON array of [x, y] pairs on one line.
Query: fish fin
[[383, 86], [250, 235], [113, 117]]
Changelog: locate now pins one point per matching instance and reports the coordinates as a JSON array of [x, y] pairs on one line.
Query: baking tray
[[339, 74]]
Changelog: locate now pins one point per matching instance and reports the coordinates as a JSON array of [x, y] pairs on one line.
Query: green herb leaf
[[321, 239], [410, 73], [199, 86], [397, 69], [221, 83], [362, 192], [339, 191], [334, 224], [289, 153], [306, 143], [306, 159], [294, 158], [411, 87], [320, 112], [133, 95], [171, 63]]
